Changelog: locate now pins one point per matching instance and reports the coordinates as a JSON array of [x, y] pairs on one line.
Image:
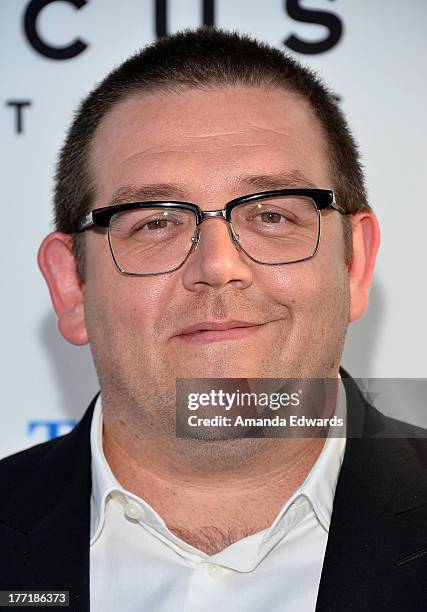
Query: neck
[[211, 504]]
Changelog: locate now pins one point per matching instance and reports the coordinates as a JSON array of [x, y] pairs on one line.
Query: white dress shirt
[[138, 565]]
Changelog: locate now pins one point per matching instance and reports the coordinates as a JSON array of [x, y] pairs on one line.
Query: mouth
[[217, 331]]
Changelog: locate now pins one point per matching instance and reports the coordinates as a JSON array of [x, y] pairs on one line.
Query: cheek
[[310, 290], [121, 308], [292, 286], [305, 286]]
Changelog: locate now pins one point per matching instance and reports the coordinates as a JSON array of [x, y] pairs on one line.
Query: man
[[122, 512]]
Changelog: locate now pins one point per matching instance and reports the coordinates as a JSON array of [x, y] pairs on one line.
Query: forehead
[[207, 140]]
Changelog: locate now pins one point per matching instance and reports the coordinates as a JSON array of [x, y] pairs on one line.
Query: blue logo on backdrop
[[52, 429]]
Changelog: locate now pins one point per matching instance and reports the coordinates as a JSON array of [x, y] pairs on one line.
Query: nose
[[216, 259]]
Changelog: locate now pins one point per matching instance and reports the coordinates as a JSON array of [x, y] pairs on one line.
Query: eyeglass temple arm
[[85, 223], [337, 206]]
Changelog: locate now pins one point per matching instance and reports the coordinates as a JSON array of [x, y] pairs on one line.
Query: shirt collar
[[318, 488], [103, 479], [106, 485]]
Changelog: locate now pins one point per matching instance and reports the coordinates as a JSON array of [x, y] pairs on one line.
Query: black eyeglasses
[[157, 237]]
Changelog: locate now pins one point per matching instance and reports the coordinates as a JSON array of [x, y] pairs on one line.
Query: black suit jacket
[[376, 555]]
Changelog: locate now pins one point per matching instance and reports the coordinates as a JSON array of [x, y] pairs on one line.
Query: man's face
[[208, 145]]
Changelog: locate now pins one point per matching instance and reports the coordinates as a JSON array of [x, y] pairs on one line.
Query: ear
[[57, 263], [366, 240]]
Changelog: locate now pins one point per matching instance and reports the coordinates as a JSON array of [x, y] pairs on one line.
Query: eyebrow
[[167, 191], [157, 191], [293, 179]]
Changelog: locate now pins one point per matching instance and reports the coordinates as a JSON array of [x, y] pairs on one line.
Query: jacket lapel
[[378, 529], [45, 526]]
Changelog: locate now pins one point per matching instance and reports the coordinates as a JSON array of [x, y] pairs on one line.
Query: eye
[[155, 224], [271, 217], [165, 221]]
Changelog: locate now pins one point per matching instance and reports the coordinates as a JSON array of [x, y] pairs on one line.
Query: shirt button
[[132, 510], [215, 572]]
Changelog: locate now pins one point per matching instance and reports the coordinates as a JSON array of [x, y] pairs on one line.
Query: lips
[[216, 326], [217, 331]]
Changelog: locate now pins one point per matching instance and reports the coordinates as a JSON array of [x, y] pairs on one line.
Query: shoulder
[[16, 467], [403, 433], [50, 463], [366, 421]]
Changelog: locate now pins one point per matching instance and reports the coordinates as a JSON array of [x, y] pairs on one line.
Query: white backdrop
[[373, 55]]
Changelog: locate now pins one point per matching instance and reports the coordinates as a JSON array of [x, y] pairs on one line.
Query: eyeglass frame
[[101, 217]]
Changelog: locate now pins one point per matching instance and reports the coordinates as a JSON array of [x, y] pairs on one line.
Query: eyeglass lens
[[271, 230]]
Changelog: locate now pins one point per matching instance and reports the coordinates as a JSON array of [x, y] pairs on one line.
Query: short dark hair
[[202, 59]]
